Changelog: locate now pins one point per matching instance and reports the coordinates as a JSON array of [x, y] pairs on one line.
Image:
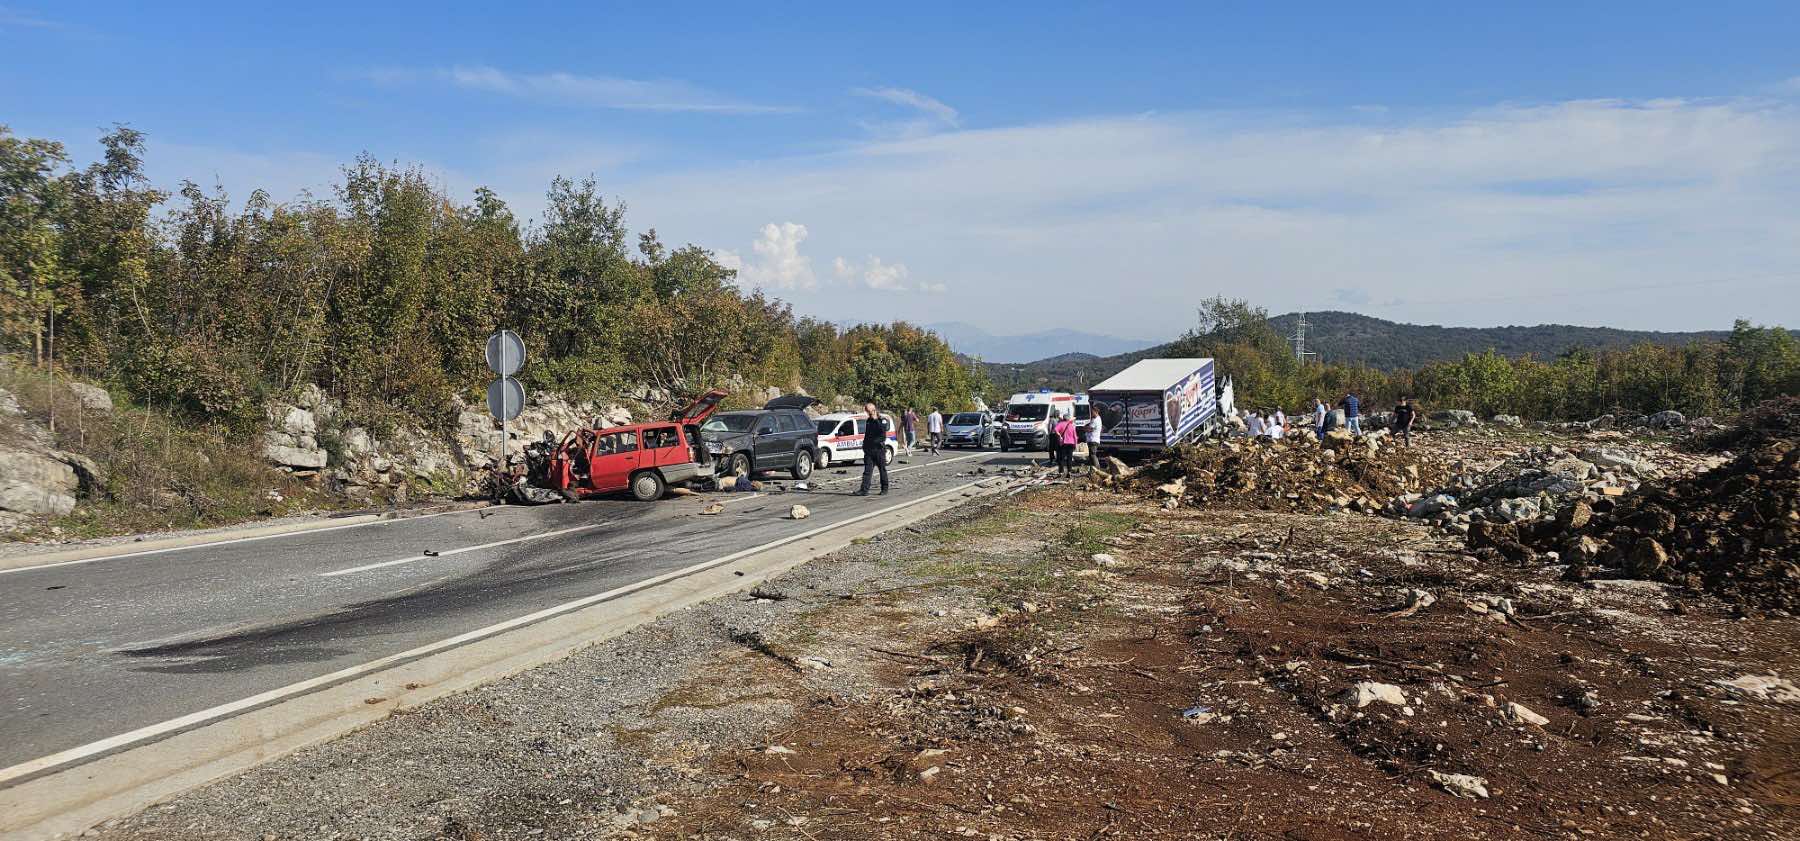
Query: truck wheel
[[803, 465], [740, 463], [648, 485]]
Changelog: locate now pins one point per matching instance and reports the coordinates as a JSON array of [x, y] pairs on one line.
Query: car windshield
[[1030, 412], [1083, 411], [965, 419], [730, 423], [828, 427]]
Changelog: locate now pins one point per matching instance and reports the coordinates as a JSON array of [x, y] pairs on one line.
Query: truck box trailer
[[1155, 404]]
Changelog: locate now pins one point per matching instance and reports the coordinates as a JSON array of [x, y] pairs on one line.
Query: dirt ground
[[1197, 689]]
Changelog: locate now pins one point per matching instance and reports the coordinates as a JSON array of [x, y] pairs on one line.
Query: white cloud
[[872, 273], [1119, 224], [929, 106], [573, 89], [778, 263]]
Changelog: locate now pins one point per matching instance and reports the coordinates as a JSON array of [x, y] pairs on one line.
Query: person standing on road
[[1404, 415], [874, 448], [934, 426], [1093, 441], [1065, 446], [1352, 418], [909, 424], [1319, 418]]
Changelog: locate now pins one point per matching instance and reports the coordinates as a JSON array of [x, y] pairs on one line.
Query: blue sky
[[1019, 167]]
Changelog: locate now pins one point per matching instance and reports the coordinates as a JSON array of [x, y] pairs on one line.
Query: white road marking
[[141, 734], [448, 552], [212, 543], [748, 497]]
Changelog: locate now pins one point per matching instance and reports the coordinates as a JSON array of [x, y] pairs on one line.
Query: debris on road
[[798, 512]]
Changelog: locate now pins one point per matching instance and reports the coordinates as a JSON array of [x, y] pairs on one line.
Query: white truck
[[1156, 404]]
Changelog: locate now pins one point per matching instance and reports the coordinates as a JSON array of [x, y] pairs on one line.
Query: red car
[[644, 458]]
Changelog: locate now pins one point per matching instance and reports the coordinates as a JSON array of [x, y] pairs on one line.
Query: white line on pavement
[[212, 543], [193, 719], [448, 552], [748, 497]]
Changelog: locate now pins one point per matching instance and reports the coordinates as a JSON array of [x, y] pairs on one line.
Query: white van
[[841, 437], [1030, 416]]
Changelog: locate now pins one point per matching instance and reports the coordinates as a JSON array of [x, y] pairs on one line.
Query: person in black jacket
[[874, 449]]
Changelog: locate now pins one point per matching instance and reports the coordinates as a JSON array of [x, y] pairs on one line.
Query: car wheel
[[823, 460], [648, 485], [887, 455], [740, 463], [803, 465]]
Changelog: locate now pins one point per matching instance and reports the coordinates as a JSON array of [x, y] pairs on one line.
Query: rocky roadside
[[1080, 662]]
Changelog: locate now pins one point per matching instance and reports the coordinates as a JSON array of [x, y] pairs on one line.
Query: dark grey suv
[[779, 436]]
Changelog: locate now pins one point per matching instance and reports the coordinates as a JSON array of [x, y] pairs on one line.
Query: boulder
[[36, 483], [358, 442], [1461, 785], [1338, 439], [1460, 417], [1508, 420], [295, 457], [1524, 715], [1666, 419], [296, 421], [92, 397]]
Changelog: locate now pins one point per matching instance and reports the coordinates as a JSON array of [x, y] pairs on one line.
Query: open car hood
[[702, 408], [792, 401]]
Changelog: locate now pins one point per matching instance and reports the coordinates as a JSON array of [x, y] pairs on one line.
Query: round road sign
[[506, 398], [505, 353]]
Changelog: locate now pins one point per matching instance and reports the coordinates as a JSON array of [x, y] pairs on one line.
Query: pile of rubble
[[1733, 530], [1528, 485], [1342, 472]]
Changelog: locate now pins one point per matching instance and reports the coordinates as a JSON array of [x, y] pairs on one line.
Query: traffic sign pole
[[506, 398]]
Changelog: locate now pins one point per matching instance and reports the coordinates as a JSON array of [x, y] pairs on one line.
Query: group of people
[[934, 429], [1274, 424], [1066, 435]]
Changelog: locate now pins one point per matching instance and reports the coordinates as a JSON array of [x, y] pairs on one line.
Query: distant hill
[[973, 341], [1351, 338], [1347, 337]]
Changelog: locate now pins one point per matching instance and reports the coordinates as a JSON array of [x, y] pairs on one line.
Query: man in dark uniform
[[874, 448]]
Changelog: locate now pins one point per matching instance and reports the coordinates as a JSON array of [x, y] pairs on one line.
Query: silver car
[[970, 429]]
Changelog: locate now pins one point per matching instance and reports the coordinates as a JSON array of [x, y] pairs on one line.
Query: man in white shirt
[[1319, 417], [1093, 440], [1276, 429], [934, 424], [1255, 422]]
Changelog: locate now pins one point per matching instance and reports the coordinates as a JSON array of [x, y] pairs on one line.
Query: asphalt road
[[93, 650]]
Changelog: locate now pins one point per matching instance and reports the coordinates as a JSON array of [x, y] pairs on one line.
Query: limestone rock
[[1368, 692], [92, 397]]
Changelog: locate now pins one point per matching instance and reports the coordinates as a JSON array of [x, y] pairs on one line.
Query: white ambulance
[[1030, 416], [841, 437]]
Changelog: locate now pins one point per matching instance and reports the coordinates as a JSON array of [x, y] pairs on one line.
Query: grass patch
[[1095, 528]]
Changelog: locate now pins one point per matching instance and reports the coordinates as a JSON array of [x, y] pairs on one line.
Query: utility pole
[[1299, 340]]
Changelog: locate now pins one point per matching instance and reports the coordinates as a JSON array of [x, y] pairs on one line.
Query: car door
[[798, 431], [770, 445], [614, 458], [662, 446]]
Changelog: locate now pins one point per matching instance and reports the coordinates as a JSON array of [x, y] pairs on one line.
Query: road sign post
[[505, 397]]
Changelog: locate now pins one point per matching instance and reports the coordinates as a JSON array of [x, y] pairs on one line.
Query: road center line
[[231, 541], [448, 552], [194, 719]]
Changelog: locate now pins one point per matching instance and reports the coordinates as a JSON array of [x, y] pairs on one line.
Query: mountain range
[[1347, 337], [972, 341]]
